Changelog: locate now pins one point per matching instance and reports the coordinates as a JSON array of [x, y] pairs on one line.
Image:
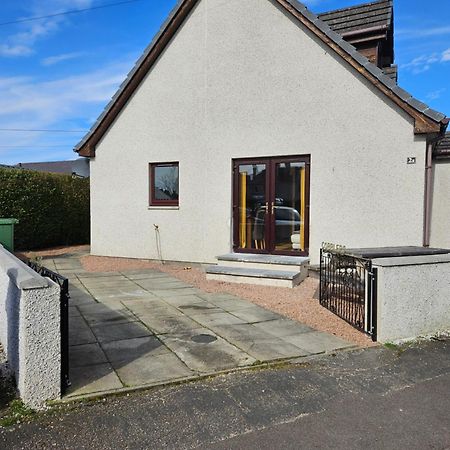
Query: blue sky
[[59, 73]]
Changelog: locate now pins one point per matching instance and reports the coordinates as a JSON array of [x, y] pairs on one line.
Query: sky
[[58, 73]]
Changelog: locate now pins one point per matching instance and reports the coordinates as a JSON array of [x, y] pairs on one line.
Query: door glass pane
[[289, 206], [252, 206]]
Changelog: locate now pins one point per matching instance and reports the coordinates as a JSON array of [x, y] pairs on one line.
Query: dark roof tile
[[434, 115], [359, 17], [420, 106], [442, 150]]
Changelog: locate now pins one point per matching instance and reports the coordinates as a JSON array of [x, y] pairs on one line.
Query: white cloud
[[422, 32], [434, 95], [446, 55], [14, 50], [22, 43], [51, 60], [59, 98], [68, 103], [423, 63]]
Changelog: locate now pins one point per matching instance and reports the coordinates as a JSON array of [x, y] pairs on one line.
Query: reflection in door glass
[[289, 207], [252, 206]]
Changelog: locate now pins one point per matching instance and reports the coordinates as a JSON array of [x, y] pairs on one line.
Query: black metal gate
[[64, 303], [348, 288]]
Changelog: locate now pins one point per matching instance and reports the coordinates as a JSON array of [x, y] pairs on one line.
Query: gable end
[[427, 121]]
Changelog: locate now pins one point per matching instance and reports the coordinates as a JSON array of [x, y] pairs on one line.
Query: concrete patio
[[142, 328]]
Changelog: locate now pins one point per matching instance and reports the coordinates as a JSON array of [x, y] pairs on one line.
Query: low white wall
[[30, 330], [413, 297]]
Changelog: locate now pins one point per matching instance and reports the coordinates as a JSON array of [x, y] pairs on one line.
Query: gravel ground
[[298, 303]]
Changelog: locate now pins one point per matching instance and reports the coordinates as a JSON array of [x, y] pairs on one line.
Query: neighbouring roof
[[374, 15], [4, 166], [78, 167], [442, 150], [427, 120]]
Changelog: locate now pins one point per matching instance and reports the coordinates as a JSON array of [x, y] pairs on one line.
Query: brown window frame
[[153, 201]]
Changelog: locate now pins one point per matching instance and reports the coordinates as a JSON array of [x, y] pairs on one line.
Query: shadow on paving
[[141, 328]]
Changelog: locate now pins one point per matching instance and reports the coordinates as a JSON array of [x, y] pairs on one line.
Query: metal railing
[[63, 283], [348, 288]]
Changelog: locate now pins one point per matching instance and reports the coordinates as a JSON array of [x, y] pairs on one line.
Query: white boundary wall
[[30, 330], [413, 297]]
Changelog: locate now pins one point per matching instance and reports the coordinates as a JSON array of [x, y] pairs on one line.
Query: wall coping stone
[[411, 260], [23, 276]]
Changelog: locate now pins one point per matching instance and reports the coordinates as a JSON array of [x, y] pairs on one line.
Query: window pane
[[252, 211], [166, 182], [290, 206]]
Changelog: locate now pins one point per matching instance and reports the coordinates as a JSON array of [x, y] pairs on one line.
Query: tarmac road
[[376, 398]]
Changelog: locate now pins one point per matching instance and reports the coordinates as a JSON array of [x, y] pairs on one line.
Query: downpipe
[[428, 195]]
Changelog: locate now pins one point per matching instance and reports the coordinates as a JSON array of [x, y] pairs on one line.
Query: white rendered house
[[256, 127]]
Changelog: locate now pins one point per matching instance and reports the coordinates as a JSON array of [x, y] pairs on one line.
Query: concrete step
[[248, 275], [269, 262]]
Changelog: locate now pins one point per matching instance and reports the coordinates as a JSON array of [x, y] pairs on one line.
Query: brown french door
[[271, 205]]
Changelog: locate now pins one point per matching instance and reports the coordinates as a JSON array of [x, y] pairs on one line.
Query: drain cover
[[204, 338]]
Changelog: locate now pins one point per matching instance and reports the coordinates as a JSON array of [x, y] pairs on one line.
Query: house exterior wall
[[440, 213], [243, 79]]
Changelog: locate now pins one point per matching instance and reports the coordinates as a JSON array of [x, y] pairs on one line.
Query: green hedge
[[53, 209]]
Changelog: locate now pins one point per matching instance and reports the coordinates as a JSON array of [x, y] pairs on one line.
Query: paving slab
[[152, 369], [110, 317], [169, 324], [118, 332], [131, 349], [147, 327], [101, 275], [98, 378], [74, 311], [142, 275], [183, 300], [173, 293], [230, 304], [86, 355], [259, 344], [81, 300], [100, 308], [192, 309], [283, 327], [107, 282], [317, 342], [118, 294], [80, 332], [209, 353], [162, 284], [254, 314], [153, 309], [215, 319], [77, 289], [158, 312]]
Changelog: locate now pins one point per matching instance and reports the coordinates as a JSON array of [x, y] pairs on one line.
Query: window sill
[[161, 207]]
